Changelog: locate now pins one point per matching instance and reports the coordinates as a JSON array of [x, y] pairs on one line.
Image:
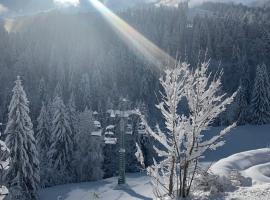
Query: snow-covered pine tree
[[58, 91], [61, 149], [84, 92], [73, 116], [22, 177], [42, 90], [182, 144], [144, 141], [110, 150], [242, 100], [43, 138], [88, 157], [260, 101], [4, 165], [238, 111]]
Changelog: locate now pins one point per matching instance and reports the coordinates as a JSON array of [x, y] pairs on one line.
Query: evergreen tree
[[242, 100], [132, 164], [58, 91], [42, 90], [4, 164], [84, 92], [61, 149], [73, 117], [23, 175], [110, 163], [88, 150], [43, 141], [260, 102]]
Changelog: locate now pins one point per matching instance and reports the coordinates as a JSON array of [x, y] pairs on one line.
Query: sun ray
[[135, 40]]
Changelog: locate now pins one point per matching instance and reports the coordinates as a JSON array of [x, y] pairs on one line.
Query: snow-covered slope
[[254, 164], [242, 138]]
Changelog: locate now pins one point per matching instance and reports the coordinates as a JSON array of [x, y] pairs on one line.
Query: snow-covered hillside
[[242, 138], [254, 164]]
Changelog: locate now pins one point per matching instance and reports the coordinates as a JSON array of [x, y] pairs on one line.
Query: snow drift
[[254, 164]]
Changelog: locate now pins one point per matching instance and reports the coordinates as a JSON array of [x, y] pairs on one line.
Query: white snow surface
[[242, 138], [254, 164], [138, 187]]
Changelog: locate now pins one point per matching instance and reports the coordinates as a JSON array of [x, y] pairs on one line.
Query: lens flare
[[135, 40]]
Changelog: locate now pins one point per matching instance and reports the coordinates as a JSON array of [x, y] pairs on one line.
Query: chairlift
[[109, 140], [97, 129], [109, 137], [190, 25], [97, 124], [129, 128], [141, 128]]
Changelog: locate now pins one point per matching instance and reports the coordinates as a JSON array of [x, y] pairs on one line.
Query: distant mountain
[[25, 7], [19, 7], [261, 3], [198, 2]]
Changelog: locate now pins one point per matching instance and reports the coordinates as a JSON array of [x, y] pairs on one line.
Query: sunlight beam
[[135, 40]]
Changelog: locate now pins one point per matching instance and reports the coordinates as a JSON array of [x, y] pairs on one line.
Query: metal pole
[[122, 151]]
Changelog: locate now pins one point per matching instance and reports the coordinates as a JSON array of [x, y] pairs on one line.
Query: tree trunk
[[171, 177], [183, 193]]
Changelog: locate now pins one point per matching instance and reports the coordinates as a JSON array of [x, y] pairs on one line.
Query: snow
[[257, 192], [110, 140], [96, 133], [97, 124], [254, 164], [109, 133], [138, 188], [241, 138], [110, 127]]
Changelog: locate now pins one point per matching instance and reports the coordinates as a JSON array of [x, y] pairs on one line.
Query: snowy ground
[[254, 164], [242, 138], [140, 188]]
